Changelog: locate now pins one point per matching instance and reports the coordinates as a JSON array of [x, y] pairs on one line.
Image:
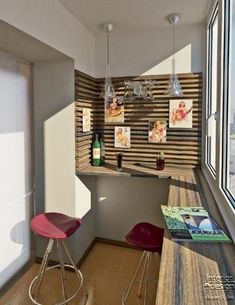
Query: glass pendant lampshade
[[173, 87], [109, 92]]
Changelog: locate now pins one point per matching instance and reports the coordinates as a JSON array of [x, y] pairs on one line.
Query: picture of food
[[157, 132], [114, 110], [180, 114], [122, 137]]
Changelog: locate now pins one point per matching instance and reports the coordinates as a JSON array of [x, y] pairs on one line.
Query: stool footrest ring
[[78, 272]]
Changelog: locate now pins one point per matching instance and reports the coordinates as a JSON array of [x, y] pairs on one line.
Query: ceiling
[[136, 14]]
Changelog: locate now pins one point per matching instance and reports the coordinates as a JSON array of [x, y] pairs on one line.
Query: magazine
[[192, 224]]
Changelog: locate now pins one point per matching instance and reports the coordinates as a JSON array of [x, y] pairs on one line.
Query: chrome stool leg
[[62, 273], [78, 272], [126, 294], [39, 277], [43, 266], [147, 260], [147, 276], [142, 276]]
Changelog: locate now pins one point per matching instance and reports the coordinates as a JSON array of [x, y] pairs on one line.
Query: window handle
[[216, 116]]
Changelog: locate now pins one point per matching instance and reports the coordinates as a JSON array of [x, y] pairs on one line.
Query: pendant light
[[109, 92], [173, 87]]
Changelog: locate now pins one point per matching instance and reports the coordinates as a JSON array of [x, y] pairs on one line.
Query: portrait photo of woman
[[114, 110], [157, 132], [180, 114], [122, 138]]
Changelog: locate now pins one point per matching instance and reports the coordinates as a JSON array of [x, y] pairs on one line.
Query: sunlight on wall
[[83, 198], [183, 63], [59, 147], [64, 192]]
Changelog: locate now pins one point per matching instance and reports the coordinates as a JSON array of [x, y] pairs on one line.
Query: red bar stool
[[57, 227], [149, 238]]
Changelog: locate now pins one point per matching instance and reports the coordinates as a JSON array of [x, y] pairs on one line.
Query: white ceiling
[[136, 14]]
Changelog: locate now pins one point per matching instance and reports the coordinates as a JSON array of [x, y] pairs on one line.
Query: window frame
[[214, 14], [226, 101], [216, 182]]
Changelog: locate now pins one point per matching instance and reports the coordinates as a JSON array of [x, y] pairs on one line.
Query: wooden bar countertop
[[134, 170], [192, 273]]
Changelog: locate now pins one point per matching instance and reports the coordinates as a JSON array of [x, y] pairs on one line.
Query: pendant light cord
[[108, 56], [173, 60]]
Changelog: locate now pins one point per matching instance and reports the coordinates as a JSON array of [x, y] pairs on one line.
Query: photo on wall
[[114, 110], [157, 131], [122, 137], [86, 119], [181, 113]]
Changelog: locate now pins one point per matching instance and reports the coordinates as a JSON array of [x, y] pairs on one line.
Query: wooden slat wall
[[85, 96], [183, 146]]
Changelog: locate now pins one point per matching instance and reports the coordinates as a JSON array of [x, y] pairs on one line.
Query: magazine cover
[[192, 224]]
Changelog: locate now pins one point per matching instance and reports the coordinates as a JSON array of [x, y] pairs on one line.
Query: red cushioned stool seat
[[146, 236], [54, 225]]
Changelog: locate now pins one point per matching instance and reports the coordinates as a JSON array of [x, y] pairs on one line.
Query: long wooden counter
[[190, 272], [134, 170]]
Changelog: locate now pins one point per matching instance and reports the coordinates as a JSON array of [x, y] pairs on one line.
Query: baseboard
[[85, 254], [113, 242]]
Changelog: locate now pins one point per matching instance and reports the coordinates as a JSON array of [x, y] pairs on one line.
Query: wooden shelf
[[133, 170]]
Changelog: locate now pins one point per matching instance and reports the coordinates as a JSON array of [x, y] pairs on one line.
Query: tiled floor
[[107, 271]]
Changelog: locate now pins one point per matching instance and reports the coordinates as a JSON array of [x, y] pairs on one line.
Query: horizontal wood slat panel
[[183, 146], [86, 92]]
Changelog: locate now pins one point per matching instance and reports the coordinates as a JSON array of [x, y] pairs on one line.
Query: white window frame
[[209, 113], [216, 181], [226, 102]]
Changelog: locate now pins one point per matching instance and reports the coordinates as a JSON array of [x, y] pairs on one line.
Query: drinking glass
[[119, 156]]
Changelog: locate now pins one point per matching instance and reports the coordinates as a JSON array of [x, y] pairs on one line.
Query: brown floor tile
[[107, 271]]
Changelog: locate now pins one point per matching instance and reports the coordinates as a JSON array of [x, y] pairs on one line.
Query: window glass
[[231, 106]]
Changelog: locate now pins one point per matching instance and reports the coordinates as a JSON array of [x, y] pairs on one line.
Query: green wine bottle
[[96, 151], [102, 151]]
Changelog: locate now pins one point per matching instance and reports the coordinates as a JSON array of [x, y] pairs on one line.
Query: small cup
[[119, 156], [160, 163]]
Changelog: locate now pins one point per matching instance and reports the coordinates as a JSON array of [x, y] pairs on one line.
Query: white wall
[[16, 166], [51, 23], [149, 52], [121, 202], [59, 148], [53, 91], [64, 192], [53, 94]]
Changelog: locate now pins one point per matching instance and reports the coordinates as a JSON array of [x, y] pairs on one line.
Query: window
[[212, 59], [228, 135], [219, 139]]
